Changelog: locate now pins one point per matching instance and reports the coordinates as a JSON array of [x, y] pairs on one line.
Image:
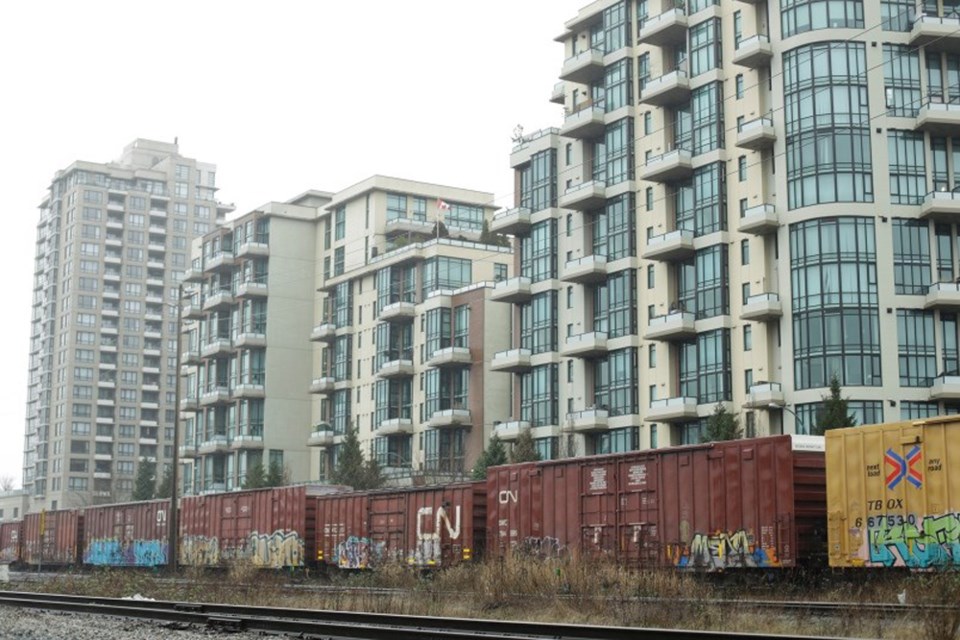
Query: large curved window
[[836, 316], [827, 124], [800, 16]]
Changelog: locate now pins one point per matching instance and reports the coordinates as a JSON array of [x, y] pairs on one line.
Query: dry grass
[[558, 590]]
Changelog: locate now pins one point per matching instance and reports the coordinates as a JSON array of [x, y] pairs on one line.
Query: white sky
[[283, 96]]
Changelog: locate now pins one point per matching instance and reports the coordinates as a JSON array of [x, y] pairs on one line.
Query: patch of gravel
[[35, 624]]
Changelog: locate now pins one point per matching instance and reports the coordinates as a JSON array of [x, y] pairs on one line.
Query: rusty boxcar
[[423, 527], [740, 503], [52, 538], [133, 534], [266, 527], [10, 536], [892, 499]]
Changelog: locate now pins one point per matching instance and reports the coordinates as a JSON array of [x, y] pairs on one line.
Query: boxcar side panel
[[126, 535], [52, 537], [10, 538], [343, 532]]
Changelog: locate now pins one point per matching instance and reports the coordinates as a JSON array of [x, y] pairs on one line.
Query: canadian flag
[[442, 206]]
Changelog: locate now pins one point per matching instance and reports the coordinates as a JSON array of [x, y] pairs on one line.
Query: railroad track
[[371, 626]]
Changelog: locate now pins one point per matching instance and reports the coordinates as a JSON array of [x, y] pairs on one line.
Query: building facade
[[744, 200], [406, 328], [112, 243]]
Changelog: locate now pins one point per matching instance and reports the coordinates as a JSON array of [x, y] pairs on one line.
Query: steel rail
[[371, 626]]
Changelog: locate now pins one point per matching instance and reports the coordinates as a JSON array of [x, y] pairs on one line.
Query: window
[[698, 125], [700, 203], [446, 273], [911, 256], [614, 156], [863, 411], [901, 80], [647, 123], [618, 85], [338, 260], [705, 367], [897, 16], [614, 305], [737, 29], [651, 276], [705, 46], [539, 396], [614, 234], [800, 16], [744, 252], [649, 198], [652, 356], [908, 173], [747, 337], [499, 272], [916, 348], [702, 283], [739, 86], [538, 323], [396, 208], [616, 383], [538, 251], [918, 410], [742, 168]]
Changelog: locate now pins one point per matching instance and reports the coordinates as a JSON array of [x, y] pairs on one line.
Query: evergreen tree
[[352, 470], [256, 477], [494, 455], [145, 482], [275, 475], [834, 414], [524, 449], [722, 425], [166, 483]]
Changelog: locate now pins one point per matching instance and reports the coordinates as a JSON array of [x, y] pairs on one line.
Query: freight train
[[875, 496]]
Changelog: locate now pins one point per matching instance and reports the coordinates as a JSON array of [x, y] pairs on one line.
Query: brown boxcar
[[422, 527], [126, 535], [741, 503], [893, 494], [52, 537], [266, 527], [10, 541]]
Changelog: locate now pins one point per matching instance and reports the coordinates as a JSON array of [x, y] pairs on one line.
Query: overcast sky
[[282, 96]]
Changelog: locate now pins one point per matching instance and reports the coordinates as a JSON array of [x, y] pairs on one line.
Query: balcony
[[324, 332], [941, 205], [756, 134], [395, 426], [450, 418], [557, 95], [188, 451], [410, 225], [943, 295], [249, 390], [585, 270], [216, 347], [584, 196], [321, 438], [252, 289], [253, 249], [514, 290], [585, 122], [219, 298], [395, 369], [592, 344], [514, 221], [937, 34], [189, 404], [762, 307], [246, 441], [584, 67], [668, 167], [587, 421], [222, 260], [945, 388], [765, 395], [215, 395], [670, 246], [759, 220], [754, 52], [670, 89], [676, 325], [398, 311], [450, 357], [326, 384], [939, 118], [511, 361], [249, 340], [216, 444], [668, 28], [190, 355], [510, 430], [679, 409]]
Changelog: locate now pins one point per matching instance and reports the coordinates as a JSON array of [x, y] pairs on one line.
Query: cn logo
[[903, 467]]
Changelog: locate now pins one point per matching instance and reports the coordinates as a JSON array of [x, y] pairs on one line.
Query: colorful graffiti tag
[[358, 553], [199, 551], [113, 552], [278, 549], [722, 550], [909, 541]]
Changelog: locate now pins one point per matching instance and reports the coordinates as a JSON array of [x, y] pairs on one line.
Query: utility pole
[[172, 528]]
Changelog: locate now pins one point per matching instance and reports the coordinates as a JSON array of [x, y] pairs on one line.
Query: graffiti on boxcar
[[429, 550], [198, 551], [722, 550], [278, 549], [358, 552], [545, 547], [903, 541], [130, 553]]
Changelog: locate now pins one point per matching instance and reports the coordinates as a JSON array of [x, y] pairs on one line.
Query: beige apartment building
[[336, 310], [112, 244], [743, 199]]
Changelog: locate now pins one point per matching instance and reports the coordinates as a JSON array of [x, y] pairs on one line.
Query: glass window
[[538, 181], [908, 172], [705, 47], [917, 350], [538, 323], [539, 396], [911, 256], [538, 251], [705, 367], [800, 16]]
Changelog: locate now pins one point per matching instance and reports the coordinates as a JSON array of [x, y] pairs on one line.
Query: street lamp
[[172, 528], [784, 407]]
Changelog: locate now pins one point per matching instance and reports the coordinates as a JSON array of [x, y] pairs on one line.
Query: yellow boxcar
[[893, 494]]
